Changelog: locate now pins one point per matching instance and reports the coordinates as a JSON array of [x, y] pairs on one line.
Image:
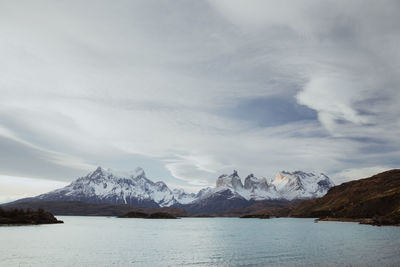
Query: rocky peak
[[250, 176], [161, 185], [231, 181], [281, 176], [203, 192], [178, 191], [109, 186], [252, 183], [139, 172], [109, 173], [96, 173], [99, 169], [249, 181], [285, 185]]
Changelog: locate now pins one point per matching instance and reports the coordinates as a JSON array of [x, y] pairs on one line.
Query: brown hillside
[[377, 197]]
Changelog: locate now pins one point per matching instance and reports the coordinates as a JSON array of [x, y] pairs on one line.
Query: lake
[[108, 241]]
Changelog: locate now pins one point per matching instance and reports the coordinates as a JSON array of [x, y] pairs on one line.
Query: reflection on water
[[102, 241]]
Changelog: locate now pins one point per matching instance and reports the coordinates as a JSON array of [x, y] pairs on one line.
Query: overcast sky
[[192, 89]]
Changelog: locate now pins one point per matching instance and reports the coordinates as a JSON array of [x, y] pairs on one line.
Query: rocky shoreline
[[19, 217], [258, 216], [142, 215], [379, 221]]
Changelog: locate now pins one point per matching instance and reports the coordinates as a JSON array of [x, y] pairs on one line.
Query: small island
[[156, 215], [259, 216], [28, 217]]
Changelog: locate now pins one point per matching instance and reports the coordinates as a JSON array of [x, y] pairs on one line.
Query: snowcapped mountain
[[285, 185], [301, 185], [108, 186], [182, 197], [230, 192], [134, 188]]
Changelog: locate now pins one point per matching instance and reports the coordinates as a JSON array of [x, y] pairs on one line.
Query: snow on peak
[[134, 188], [109, 173], [285, 185], [111, 186], [182, 197], [300, 185], [280, 177]]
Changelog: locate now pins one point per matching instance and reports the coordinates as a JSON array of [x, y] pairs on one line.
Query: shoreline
[[369, 221]]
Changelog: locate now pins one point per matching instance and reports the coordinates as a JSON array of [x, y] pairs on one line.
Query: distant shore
[[370, 221]]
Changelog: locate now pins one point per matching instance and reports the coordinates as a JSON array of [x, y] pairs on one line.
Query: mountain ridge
[[133, 188]]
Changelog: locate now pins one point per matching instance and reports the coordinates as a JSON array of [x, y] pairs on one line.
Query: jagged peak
[[234, 174], [295, 172], [177, 190], [99, 171], [102, 172], [134, 184], [206, 189], [139, 172], [301, 173], [160, 183], [279, 176], [99, 168], [231, 181], [324, 175]]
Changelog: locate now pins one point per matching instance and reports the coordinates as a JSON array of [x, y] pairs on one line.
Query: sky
[[189, 90]]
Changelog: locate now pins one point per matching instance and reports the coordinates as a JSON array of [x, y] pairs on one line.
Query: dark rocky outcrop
[[156, 215], [374, 200], [161, 215], [26, 217], [259, 216], [134, 214]]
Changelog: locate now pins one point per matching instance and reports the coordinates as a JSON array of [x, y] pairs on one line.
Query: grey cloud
[[201, 87], [17, 159], [270, 111]]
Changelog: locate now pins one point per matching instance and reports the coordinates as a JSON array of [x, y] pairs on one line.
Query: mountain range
[[106, 186], [231, 193]]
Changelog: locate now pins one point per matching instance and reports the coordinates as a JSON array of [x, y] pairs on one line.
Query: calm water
[[102, 241]]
